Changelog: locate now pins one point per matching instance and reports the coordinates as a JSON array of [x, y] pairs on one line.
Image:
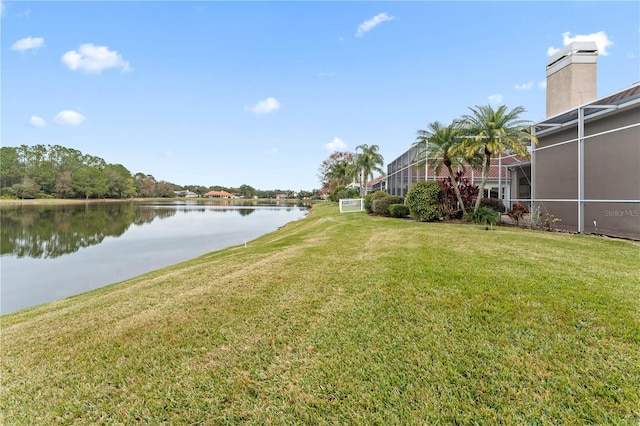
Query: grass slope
[[345, 319]]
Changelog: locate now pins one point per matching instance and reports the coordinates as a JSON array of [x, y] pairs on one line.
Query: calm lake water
[[52, 252]]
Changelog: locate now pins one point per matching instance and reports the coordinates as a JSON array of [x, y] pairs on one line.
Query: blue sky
[[260, 93]]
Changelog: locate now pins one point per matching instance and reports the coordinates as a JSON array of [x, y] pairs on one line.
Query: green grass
[[345, 319]]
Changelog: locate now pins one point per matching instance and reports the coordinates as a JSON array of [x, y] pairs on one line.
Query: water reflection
[[52, 231], [51, 252]]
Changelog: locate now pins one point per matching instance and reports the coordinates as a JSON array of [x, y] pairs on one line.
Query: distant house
[[218, 194], [377, 184], [185, 193], [281, 196]]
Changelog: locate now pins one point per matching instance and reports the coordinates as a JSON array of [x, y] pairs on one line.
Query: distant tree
[[338, 169], [91, 182], [340, 173], [64, 185], [11, 167], [302, 194], [28, 188], [145, 185], [367, 161], [41, 168], [165, 189], [120, 182], [247, 191]]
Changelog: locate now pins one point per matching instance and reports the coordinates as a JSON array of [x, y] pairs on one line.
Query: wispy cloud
[[524, 86], [69, 117], [266, 106], [543, 84], [370, 24], [28, 43], [94, 59], [600, 38], [336, 144], [495, 99], [36, 121]]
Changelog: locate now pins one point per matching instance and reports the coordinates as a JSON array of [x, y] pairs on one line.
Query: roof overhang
[[618, 101]]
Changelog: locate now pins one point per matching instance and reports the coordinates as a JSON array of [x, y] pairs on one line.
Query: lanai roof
[[617, 101]]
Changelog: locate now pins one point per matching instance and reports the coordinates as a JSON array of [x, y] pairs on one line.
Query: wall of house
[[611, 172], [402, 173]]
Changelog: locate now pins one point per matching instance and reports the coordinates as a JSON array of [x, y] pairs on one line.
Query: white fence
[[349, 205]]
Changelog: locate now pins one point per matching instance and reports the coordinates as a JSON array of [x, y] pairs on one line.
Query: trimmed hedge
[[368, 199], [422, 199], [493, 203], [399, 210], [381, 205]]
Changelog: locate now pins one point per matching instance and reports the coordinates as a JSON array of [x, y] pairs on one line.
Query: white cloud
[[336, 144], [601, 39], [36, 121], [265, 107], [69, 117], [370, 24], [543, 84], [1, 8], [28, 43], [525, 86], [94, 59], [495, 99]]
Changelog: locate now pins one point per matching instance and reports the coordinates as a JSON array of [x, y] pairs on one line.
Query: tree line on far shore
[[54, 171]]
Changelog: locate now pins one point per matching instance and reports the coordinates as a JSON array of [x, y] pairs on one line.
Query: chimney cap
[[576, 48]]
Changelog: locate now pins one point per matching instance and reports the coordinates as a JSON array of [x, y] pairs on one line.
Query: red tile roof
[[477, 174], [221, 194]]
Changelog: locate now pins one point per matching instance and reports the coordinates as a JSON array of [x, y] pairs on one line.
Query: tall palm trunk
[[486, 166]]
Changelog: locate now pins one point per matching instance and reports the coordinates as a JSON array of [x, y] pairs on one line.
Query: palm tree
[[493, 132], [369, 160], [341, 172], [439, 146]]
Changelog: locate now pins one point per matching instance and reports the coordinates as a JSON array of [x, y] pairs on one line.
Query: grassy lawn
[[345, 319]]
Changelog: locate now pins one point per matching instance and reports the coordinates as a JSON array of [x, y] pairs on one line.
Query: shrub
[[423, 200], [493, 203], [484, 215], [341, 192], [337, 192], [351, 193], [381, 205], [368, 199], [517, 212], [399, 210], [448, 198], [544, 221]]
